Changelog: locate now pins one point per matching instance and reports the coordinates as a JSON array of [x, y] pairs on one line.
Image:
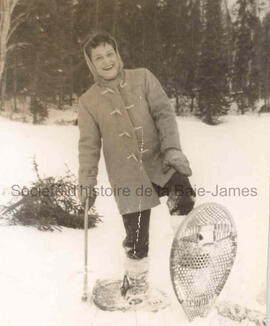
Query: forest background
[[207, 54]]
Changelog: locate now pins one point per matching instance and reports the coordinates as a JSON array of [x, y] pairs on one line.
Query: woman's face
[[105, 61]]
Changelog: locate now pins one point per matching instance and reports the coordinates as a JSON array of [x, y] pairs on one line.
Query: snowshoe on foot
[[135, 287], [132, 293]]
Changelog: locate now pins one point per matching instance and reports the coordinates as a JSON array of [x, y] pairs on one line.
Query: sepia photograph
[[134, 162]]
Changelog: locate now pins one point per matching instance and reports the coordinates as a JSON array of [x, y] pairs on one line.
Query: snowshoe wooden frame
[[202, 255], [107, 296]]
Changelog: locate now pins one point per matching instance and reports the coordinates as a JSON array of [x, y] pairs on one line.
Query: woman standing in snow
[[130, 112]]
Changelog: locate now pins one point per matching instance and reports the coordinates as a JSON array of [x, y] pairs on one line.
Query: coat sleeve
[[162, 113], [89, 147]]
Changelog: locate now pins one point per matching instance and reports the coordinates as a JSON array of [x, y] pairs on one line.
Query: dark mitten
[[181, 198]]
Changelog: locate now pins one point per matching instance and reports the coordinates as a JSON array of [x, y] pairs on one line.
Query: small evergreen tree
[[49, 204]]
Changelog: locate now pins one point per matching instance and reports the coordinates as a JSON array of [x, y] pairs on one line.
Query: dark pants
[[181, 199]]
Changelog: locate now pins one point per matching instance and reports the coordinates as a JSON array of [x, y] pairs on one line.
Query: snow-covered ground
[[41, 277]]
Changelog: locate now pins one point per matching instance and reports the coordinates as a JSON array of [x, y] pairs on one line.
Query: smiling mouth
[[108, 68]]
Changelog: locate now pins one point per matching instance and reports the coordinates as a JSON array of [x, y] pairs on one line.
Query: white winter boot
[[135, 287]]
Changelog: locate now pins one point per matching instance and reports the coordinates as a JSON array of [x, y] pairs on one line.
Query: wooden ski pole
[[85, 283]]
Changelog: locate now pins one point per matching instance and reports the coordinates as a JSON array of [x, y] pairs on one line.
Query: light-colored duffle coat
[[134, 122]]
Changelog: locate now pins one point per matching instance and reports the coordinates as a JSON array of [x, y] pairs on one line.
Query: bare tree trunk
[[6, 10], [267, 84], [15, 109], [209, 115], [34, 111], [7, 28], [33, 102], [60, 100], [3, 89], [71, 61], [192, 103], [177, 105]]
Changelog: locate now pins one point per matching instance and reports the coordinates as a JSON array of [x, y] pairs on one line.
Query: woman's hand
[[85, 192], [176, 159]]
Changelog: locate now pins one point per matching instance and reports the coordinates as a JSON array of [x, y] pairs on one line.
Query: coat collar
[[119, 81]]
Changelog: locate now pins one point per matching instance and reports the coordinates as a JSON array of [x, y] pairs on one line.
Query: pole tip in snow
[[84, 297]]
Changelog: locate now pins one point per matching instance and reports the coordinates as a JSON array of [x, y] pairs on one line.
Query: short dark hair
[[98, 39]]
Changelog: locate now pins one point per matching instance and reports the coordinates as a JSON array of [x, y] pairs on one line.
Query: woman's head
[[102, 56]]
